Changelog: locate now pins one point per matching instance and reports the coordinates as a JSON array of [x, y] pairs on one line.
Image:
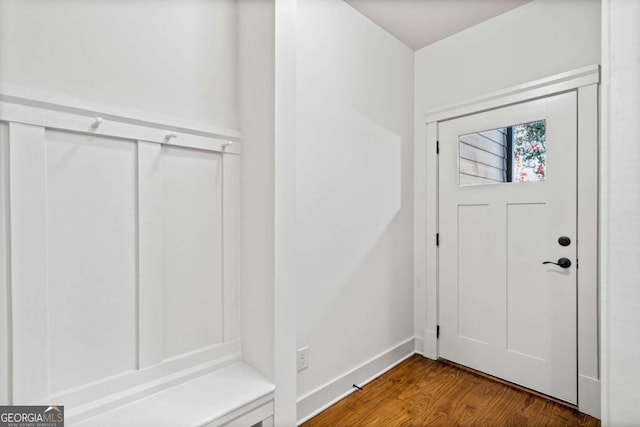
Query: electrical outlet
[[303, 358]]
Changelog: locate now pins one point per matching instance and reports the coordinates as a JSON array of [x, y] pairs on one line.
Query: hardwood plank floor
[[424, 392]]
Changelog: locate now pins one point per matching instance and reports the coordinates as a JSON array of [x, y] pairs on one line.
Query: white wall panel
[[231, 240], [150, 252], [5, 313], [111, 257], [192, 241], [92, 257], [526, 292], [29, 295]]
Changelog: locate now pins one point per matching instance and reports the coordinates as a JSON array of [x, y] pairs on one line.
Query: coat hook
[[227, 144], [97, 122], [170, 135]]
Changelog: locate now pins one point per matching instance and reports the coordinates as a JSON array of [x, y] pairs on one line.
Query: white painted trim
[[605, 172], [431, 260], [430, 344], [587, 255], [558, 83], [52, 116], [251, 414], [589, 395], [21, 95], [425, 250], [420, 209], [326, 395], [284, 214], [425, 229]]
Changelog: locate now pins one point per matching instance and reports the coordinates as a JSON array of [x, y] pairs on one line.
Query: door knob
[[564, 241], [562, 262]]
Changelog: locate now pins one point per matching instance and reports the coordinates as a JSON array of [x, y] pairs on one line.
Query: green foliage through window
[[529, 152]]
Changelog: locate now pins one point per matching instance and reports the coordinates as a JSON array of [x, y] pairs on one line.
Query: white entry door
[[507, 205]]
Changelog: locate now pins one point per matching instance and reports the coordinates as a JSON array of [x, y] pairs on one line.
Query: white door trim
[[557, 83], [585, 81]]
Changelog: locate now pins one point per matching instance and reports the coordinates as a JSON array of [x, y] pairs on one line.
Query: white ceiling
[[418, 23]]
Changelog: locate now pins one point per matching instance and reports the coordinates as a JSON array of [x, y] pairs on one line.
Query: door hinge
[[437, 331], [437, 239], [437, 147]]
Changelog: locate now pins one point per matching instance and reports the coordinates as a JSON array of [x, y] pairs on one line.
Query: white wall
[[354, 191], [5, 313], [621, 208], [175, 60], [539, 39], [285, 289], [256, 53], [266, 35]]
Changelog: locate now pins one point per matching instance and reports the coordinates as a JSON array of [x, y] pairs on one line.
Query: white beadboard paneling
[[231, 240], [91, 272], [192, 242], [150, 249], [5, 295], [28, 263]]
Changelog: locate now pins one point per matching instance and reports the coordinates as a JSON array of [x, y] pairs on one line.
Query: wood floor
[[421, 392]]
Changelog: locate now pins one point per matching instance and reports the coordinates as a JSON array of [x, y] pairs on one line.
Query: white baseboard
[[430, 344], [419, 345], [321, 398], [589, 396]]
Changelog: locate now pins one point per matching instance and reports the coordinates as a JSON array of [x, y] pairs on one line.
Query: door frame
[[585, 82]]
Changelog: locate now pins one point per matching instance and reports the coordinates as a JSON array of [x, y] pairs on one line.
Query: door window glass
[[516, 153]]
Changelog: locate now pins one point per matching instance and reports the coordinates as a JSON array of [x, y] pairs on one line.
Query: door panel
[[503, 311], [473, 297]]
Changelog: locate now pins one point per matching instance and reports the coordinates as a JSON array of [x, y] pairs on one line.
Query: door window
[[516, 153]]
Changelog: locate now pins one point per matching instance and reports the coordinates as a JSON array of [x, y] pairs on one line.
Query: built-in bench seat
[[232, 396]]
